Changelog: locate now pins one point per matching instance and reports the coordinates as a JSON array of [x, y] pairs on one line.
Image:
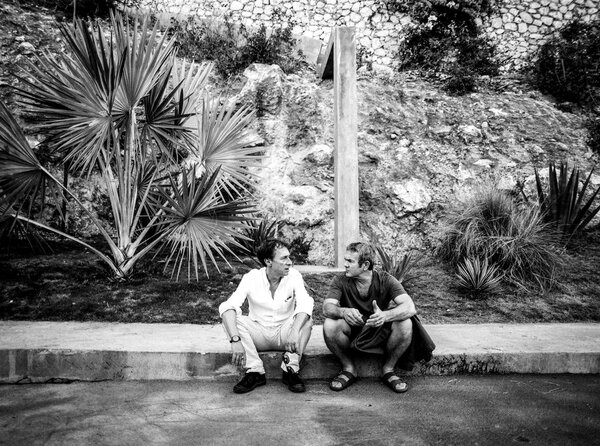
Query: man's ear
[[366, 264]]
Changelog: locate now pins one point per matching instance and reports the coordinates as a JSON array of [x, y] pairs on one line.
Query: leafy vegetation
[[82, 8], [593, 128], [445, 38], [257, 233], [119, 103], [567, 68], [567, 64], [478, 277], [515, 238], [563, 203], [399, 268], [232, 47]]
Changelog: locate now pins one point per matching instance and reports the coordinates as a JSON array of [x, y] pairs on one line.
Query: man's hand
[[377, 319], [238, 356], [353, 317], [292, 341]]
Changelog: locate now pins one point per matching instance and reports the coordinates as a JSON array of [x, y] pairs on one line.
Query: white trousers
[[257, 338]]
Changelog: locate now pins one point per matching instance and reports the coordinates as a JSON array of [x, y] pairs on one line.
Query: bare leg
[[399, 340], [337, 338]]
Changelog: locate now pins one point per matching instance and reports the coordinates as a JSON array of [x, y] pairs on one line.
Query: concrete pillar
[[346, 150]]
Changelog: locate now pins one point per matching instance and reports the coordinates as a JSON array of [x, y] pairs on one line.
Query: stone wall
[[519, 29]]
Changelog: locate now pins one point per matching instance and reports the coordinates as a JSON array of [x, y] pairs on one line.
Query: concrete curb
[[72, 351]]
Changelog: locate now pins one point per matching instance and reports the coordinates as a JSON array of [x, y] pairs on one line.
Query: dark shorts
[[373, 340]]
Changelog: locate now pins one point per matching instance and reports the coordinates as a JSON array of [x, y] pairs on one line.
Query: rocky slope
[[421, 151]]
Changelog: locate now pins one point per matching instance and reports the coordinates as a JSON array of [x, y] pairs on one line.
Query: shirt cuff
[[227, 306]]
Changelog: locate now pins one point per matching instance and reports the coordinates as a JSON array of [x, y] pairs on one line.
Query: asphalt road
[[452, 410]]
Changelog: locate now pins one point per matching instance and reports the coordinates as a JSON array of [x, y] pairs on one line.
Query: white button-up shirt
[[290, 298]]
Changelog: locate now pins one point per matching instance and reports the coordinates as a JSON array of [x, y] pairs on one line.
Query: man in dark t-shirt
[[368, 311]]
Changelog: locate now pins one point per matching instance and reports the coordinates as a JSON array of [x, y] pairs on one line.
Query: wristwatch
[[235, 338]]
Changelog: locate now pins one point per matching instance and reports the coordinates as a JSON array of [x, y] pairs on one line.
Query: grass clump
[[515, 238]]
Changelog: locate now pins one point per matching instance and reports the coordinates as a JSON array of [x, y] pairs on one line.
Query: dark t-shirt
[[384, 288]]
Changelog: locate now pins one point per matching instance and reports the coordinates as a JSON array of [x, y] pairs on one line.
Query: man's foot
[[293, 381], [250, 381], [342, 381], [394, 382]]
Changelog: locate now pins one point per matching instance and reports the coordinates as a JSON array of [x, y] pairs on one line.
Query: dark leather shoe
[[250, 381], [293, 381]]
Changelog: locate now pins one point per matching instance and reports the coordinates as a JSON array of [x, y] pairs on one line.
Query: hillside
[[421, 151]]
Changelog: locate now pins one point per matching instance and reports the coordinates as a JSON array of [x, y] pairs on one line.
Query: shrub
[[400, 269], [232, 47], [563, 203], [567, 64], [446, 39], [593, 138], [460, 83], [257, 233], [478, 277], [492, 226], [83, 8]]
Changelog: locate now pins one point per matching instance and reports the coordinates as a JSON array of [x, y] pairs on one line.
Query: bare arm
[[332, 310], [238, 354], [400, 308]]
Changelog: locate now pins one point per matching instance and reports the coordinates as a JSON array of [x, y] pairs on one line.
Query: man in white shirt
[[279, 318]]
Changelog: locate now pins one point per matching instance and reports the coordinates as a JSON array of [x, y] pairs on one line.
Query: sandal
[[345, 379], [392, 380]]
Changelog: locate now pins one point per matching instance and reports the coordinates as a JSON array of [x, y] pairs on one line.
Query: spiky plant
[[515, 238], [478, 276], [399, 268], [256, 233], [564, 204], [120, 103]]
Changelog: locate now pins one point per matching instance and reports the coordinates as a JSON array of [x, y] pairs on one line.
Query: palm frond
[[197, 224], [21, 174], [224, 142]]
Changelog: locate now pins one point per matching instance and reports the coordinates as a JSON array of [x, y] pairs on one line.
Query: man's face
[[281, 262], [353, 269]]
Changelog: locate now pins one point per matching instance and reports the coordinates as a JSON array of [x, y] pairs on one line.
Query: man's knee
[[402, 329]]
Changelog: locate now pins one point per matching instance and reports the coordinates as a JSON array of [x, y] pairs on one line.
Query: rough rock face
[[420, 153], [263, 88]]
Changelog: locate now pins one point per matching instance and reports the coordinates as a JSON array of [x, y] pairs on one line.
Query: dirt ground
[[71, 285]]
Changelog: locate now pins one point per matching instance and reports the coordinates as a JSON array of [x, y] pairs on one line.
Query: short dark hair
[[366, 252], [266, 250]]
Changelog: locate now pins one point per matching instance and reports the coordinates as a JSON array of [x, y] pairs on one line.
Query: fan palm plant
[[119, 102]]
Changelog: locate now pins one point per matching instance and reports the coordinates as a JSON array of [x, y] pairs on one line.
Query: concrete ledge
[[67, 351]]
